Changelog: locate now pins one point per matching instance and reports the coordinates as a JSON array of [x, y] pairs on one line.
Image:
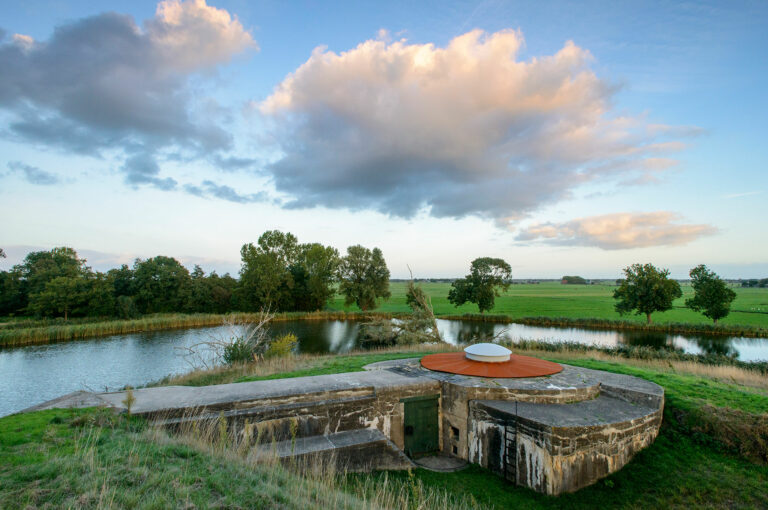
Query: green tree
[[159, 284], [646, 289], [59, 296], [222, 292], [99, 299], [314, 276], [122, 280], [481, 286], [40, 267], [265, 277], [199, 293], [13, 294], [363, 277], [712, 296]]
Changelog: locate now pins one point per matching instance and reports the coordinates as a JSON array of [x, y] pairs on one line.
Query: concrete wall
[[552, 459], [456, 420], [274, 419]]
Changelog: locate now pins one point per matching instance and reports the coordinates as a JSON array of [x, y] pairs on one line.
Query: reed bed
[[58, 332]]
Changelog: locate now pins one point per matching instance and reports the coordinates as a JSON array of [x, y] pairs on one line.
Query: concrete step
[[351, 450]]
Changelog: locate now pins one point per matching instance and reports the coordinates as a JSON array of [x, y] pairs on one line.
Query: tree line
[[280, 274], [277, 273]]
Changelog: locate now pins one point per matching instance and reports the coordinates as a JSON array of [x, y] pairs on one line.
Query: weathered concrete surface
[[561, 447], [76, 399], [353, 450], [178, 400]]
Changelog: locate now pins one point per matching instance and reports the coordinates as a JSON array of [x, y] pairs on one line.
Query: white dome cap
[[489, 353]]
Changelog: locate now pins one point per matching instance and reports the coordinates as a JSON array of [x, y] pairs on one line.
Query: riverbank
[[707, 454], [545, 305], [31, 334]]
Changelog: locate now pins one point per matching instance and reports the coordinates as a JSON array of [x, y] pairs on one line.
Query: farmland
[[576, 302]]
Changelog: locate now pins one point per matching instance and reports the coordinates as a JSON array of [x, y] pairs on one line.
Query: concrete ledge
[[353, 450]]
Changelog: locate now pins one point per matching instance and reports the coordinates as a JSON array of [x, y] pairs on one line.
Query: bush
[[238, 351], [282, 346]]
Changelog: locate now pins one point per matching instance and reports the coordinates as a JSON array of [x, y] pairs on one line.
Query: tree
[[60, 295], [481, 286], [364, 277], [159, 284], [13, 294], [199, 296], [712, 296], [121, 280], [574, 280], [265, 277], [314, 275], [99, 298], [40, 267], [646, 289], [2, 254]]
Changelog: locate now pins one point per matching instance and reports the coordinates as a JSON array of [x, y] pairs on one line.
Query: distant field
[[576, 302]]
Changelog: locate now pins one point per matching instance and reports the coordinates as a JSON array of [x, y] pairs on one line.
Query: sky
[[563, 137]]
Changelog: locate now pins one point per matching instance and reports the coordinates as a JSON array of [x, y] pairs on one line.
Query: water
[[34, 374]]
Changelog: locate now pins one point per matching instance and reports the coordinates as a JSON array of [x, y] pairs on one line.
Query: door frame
[[421, 398]]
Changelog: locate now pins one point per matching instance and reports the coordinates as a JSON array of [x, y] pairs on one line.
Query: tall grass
[[314, 476], [95, 459]]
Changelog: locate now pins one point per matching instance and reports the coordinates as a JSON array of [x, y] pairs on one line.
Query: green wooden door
[[421, 425]]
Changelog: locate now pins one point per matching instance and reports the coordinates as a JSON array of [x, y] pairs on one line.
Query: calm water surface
[[34, 374]]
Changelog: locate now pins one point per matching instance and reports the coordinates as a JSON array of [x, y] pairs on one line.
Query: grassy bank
[[93, 459], [710, 453]]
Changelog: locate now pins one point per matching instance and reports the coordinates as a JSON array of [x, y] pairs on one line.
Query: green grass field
[[576, 302]]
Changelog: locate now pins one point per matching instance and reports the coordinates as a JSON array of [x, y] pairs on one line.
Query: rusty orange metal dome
[[517, 366]]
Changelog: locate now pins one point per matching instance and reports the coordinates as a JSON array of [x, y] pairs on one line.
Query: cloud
[[232, 163], [211, 189], [731, 196], [618, 231], [143, 169], [468, 129], [103, 83], [33, 174]]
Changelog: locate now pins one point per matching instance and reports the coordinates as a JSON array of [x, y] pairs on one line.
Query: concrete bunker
[[554, 432]]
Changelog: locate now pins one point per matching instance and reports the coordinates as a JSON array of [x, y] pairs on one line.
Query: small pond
[[34, 374]]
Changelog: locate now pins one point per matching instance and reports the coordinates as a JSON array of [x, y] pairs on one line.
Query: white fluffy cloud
[[469, 129], [618, 231], [104, 83]]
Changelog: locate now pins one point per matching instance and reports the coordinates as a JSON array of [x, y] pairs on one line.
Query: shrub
[[282, 346], [238, 351]]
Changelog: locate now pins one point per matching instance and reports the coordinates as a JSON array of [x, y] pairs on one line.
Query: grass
[[295, 366], [94, 459], [576, 302], [91, 459], [536, 304]]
